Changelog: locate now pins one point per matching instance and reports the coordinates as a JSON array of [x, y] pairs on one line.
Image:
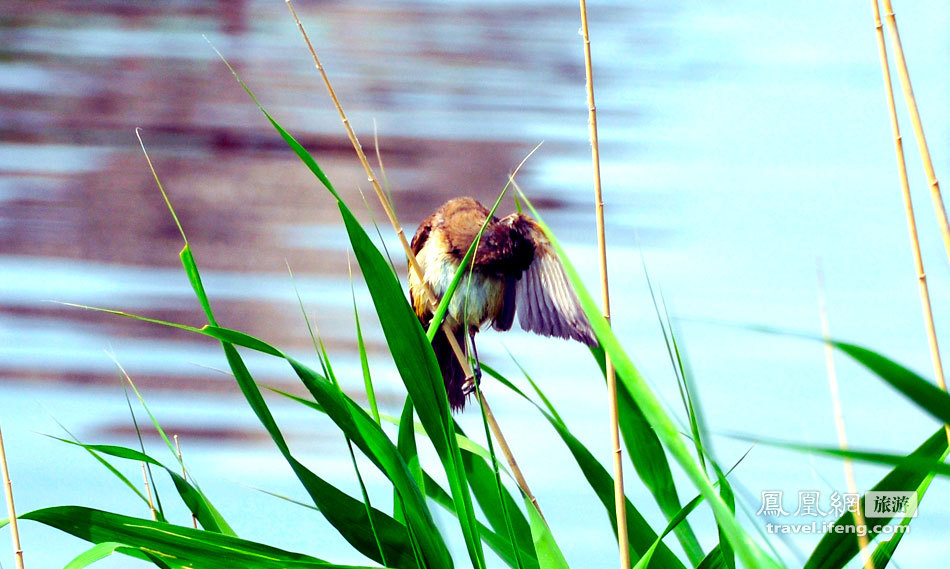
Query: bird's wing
[[547, 303], [422, 234]]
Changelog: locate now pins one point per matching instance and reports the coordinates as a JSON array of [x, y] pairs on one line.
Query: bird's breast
[[476, 300]]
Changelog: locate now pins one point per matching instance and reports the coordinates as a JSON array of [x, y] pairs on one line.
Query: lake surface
[[741, 145]]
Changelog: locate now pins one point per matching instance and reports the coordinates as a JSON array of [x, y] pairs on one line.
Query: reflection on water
[[737, 149]]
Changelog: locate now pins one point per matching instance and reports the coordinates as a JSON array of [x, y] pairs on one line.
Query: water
[[739, 146]]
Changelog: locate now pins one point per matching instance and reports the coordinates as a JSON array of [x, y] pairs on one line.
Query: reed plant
[[490, 511]]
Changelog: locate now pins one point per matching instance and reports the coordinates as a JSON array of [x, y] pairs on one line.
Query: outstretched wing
[[547, 303]]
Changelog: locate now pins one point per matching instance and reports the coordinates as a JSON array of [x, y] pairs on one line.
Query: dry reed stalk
[[413, 263], [908, 204], [148, 492], [911, 102], [839, 416], [184, 474], [620, 500], [11, 510]]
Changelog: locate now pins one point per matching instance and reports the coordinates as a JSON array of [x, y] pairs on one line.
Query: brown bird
[[515, 269]]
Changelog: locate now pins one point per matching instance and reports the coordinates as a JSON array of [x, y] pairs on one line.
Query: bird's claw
[[468, 387]]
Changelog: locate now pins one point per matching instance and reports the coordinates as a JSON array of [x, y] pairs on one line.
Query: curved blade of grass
[[408, 344], [676, 520], [151, 488], [726, 555], [175, 546], [327, 367], [364, 362], [549, 554], [108, 465], [419, 370], [370, 438], [835, 550], [650, 461], [406, 445], [680, 517], [495, 541], [386, 540], [920, 391], [341, 510], [926, 395], [715, 560], [288, 499], [345, 513], [499, 507], [698, 429], [923, 465], [197, 503], [475, 459], [95, 553], [746, 548], [641, 536], [885, 550]]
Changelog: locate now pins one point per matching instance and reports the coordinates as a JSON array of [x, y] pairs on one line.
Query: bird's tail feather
[[452, 371]]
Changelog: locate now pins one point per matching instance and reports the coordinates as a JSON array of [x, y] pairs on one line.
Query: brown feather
[[514, 271]]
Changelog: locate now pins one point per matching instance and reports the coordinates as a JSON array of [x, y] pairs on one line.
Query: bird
[[514, 270]]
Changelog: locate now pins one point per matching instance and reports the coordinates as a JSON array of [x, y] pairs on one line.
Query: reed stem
[[911, 102], [905, 191], [184, 474], [839, 416], [11, 510], [620, 500], [413, 262], [148, 493]]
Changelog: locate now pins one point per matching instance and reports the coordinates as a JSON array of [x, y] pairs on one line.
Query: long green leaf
[[549, 554], [176, 546], [95, 553], [407, 342], [649, 460], [384, 540], [921, 463], [419, 371], [835, 550], [925, 394], [641, 536], [370, 438], [748, 551], [885, 550], [198, 504], [497, 542]]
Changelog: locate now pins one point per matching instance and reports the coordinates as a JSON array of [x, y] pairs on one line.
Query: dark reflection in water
[[456, 97], [459, 93]]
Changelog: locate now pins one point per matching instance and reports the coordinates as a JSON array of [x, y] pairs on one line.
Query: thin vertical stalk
[[184, 474], [620, 502], [905, 190], [839, 416], [413, 262], [148, 492], [911, 102], [11, 510]]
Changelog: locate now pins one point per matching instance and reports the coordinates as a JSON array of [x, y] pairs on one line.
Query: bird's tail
[[452, 371]]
